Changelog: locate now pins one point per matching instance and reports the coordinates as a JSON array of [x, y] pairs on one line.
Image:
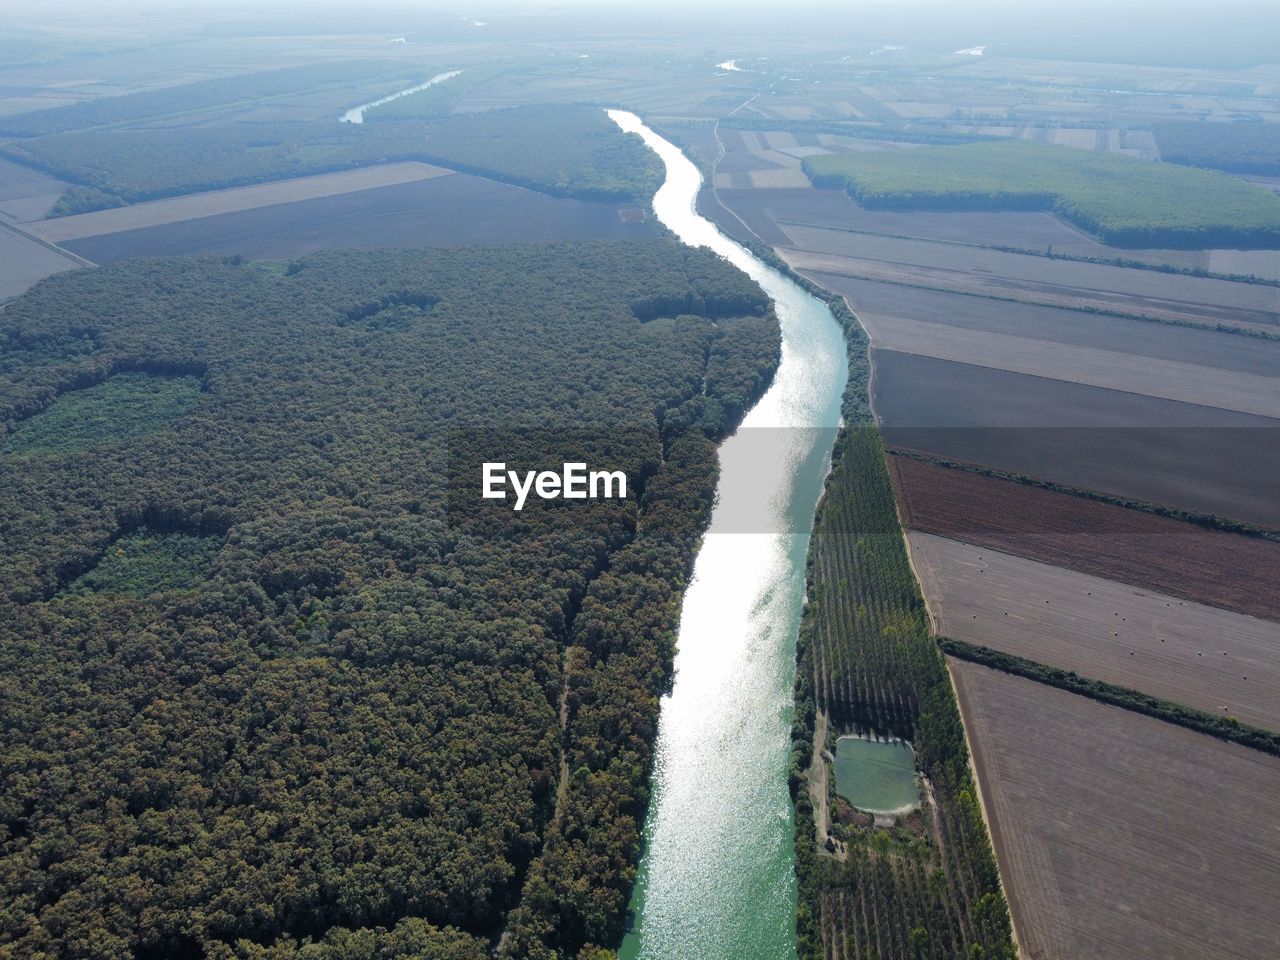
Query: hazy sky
[[1237, 32]]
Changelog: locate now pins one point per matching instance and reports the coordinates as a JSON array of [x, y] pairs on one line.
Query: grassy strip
[[1224, 728], [1208, 520]]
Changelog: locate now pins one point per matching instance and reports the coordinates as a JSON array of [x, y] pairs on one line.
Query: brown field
[[1120, 836], [27, 194], [1185, 382], [1055, 325], [989, 282], [199, 205], [437, 212], [1212, 659], [711, 208], [996, 288], [1161, 451], [776, 179], [1138, 291], [1129, 546], [25, 261]]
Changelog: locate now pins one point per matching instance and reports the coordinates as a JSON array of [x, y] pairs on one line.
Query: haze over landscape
[[583, 481]]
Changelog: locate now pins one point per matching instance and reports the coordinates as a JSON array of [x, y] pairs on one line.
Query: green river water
[[717, 879], [878, 776]]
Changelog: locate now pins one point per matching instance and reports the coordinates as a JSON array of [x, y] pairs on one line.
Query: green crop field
[[1125, 202]]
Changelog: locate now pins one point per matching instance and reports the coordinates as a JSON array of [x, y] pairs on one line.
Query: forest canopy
[[307, 701], [563, 150], [193, 96], [1123, 201], [1234, 147]]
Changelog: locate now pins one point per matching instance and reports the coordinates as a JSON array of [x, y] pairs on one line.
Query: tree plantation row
[[867, 662]]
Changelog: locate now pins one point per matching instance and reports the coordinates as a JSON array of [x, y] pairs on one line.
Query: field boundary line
[[1176, 714], [47, 244]]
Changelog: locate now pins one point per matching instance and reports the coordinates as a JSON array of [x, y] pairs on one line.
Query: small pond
[[878, 776]]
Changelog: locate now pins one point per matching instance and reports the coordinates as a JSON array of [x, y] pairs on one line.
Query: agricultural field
[[1130, 546], [885, 303], [26, 261], [450, 211], [1125, 202], [197, 206], [985, 282], [1218, 661], [1182, 455], [1119, 835], [1138, 291], [1113, 370], [27, 194], [777, 211], [684, 86]]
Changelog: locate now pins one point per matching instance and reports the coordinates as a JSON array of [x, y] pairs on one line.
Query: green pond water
[[717, 881], [878, 776]]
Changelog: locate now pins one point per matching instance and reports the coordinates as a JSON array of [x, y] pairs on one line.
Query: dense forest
[[1234, 147], [1123, 201], [563, 150], [275, 681], [190, 97]]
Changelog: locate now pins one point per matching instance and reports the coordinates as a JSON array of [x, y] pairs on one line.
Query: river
[[356, 114], [717, 881]]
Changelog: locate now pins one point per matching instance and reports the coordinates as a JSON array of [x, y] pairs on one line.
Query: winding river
[[717, 881], [356, 114]]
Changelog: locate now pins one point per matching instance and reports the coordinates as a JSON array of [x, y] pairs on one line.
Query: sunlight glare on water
[[717, 880]]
